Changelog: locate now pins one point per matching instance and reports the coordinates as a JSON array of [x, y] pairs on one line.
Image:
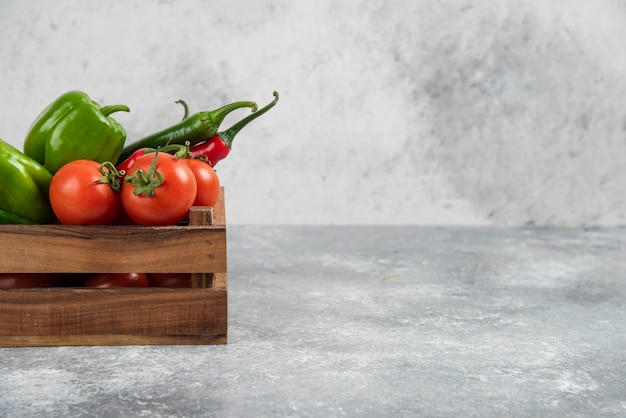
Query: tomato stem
[[180, 150], [146, 182], [110, 175]]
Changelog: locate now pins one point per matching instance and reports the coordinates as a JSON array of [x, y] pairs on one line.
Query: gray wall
[[399, 112]]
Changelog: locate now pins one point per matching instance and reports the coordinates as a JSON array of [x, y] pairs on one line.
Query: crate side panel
[[134, 315], [70, 249]]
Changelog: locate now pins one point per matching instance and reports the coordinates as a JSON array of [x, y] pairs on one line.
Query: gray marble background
[[477, 112]]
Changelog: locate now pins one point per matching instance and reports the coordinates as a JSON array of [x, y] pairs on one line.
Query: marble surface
[[395, 112], [372, 322]]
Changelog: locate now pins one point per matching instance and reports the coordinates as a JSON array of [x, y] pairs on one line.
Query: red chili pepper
[[127, 163], [218, 146]]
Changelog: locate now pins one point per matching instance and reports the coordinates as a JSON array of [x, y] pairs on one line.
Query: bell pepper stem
[[107, 110]]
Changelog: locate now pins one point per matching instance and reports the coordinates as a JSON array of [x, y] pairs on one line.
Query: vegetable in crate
[[195, 128], [24, 188], [159, 189], [85, 192], [27, 280], [74, 127], [207, 180], [218, 147], [102, 280], [169, 279], [8, 218]]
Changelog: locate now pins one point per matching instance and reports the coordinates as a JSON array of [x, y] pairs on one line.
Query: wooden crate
[[117, 316]]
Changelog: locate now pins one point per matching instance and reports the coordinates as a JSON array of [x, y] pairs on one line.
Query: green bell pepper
[[74, 127], [23, 188]]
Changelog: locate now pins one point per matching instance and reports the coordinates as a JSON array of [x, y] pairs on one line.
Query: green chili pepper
[[74, 127], [24, 185], [192, 129], [8, 218]]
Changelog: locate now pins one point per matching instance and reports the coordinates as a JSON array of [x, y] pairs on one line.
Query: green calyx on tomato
[[110, 176], [146, 182], [159, 191]]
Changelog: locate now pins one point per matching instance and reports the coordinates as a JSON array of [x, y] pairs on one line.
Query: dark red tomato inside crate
[[27, 280], [103, 280], [169, 279]]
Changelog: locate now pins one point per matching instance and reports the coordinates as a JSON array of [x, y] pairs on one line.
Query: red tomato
[[169, 279], [77, 198], [171, 199], [124, 219], [117, 280], [26, 280], [207, 180]]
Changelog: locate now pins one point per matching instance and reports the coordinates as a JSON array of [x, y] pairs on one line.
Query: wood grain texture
[[209, 280], [219, 210], [75, 249], [71, 316]]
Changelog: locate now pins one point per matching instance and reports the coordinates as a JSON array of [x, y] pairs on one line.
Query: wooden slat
[[219, 211], [75, 249], [116, 249], [209, 216], [60, 316]]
